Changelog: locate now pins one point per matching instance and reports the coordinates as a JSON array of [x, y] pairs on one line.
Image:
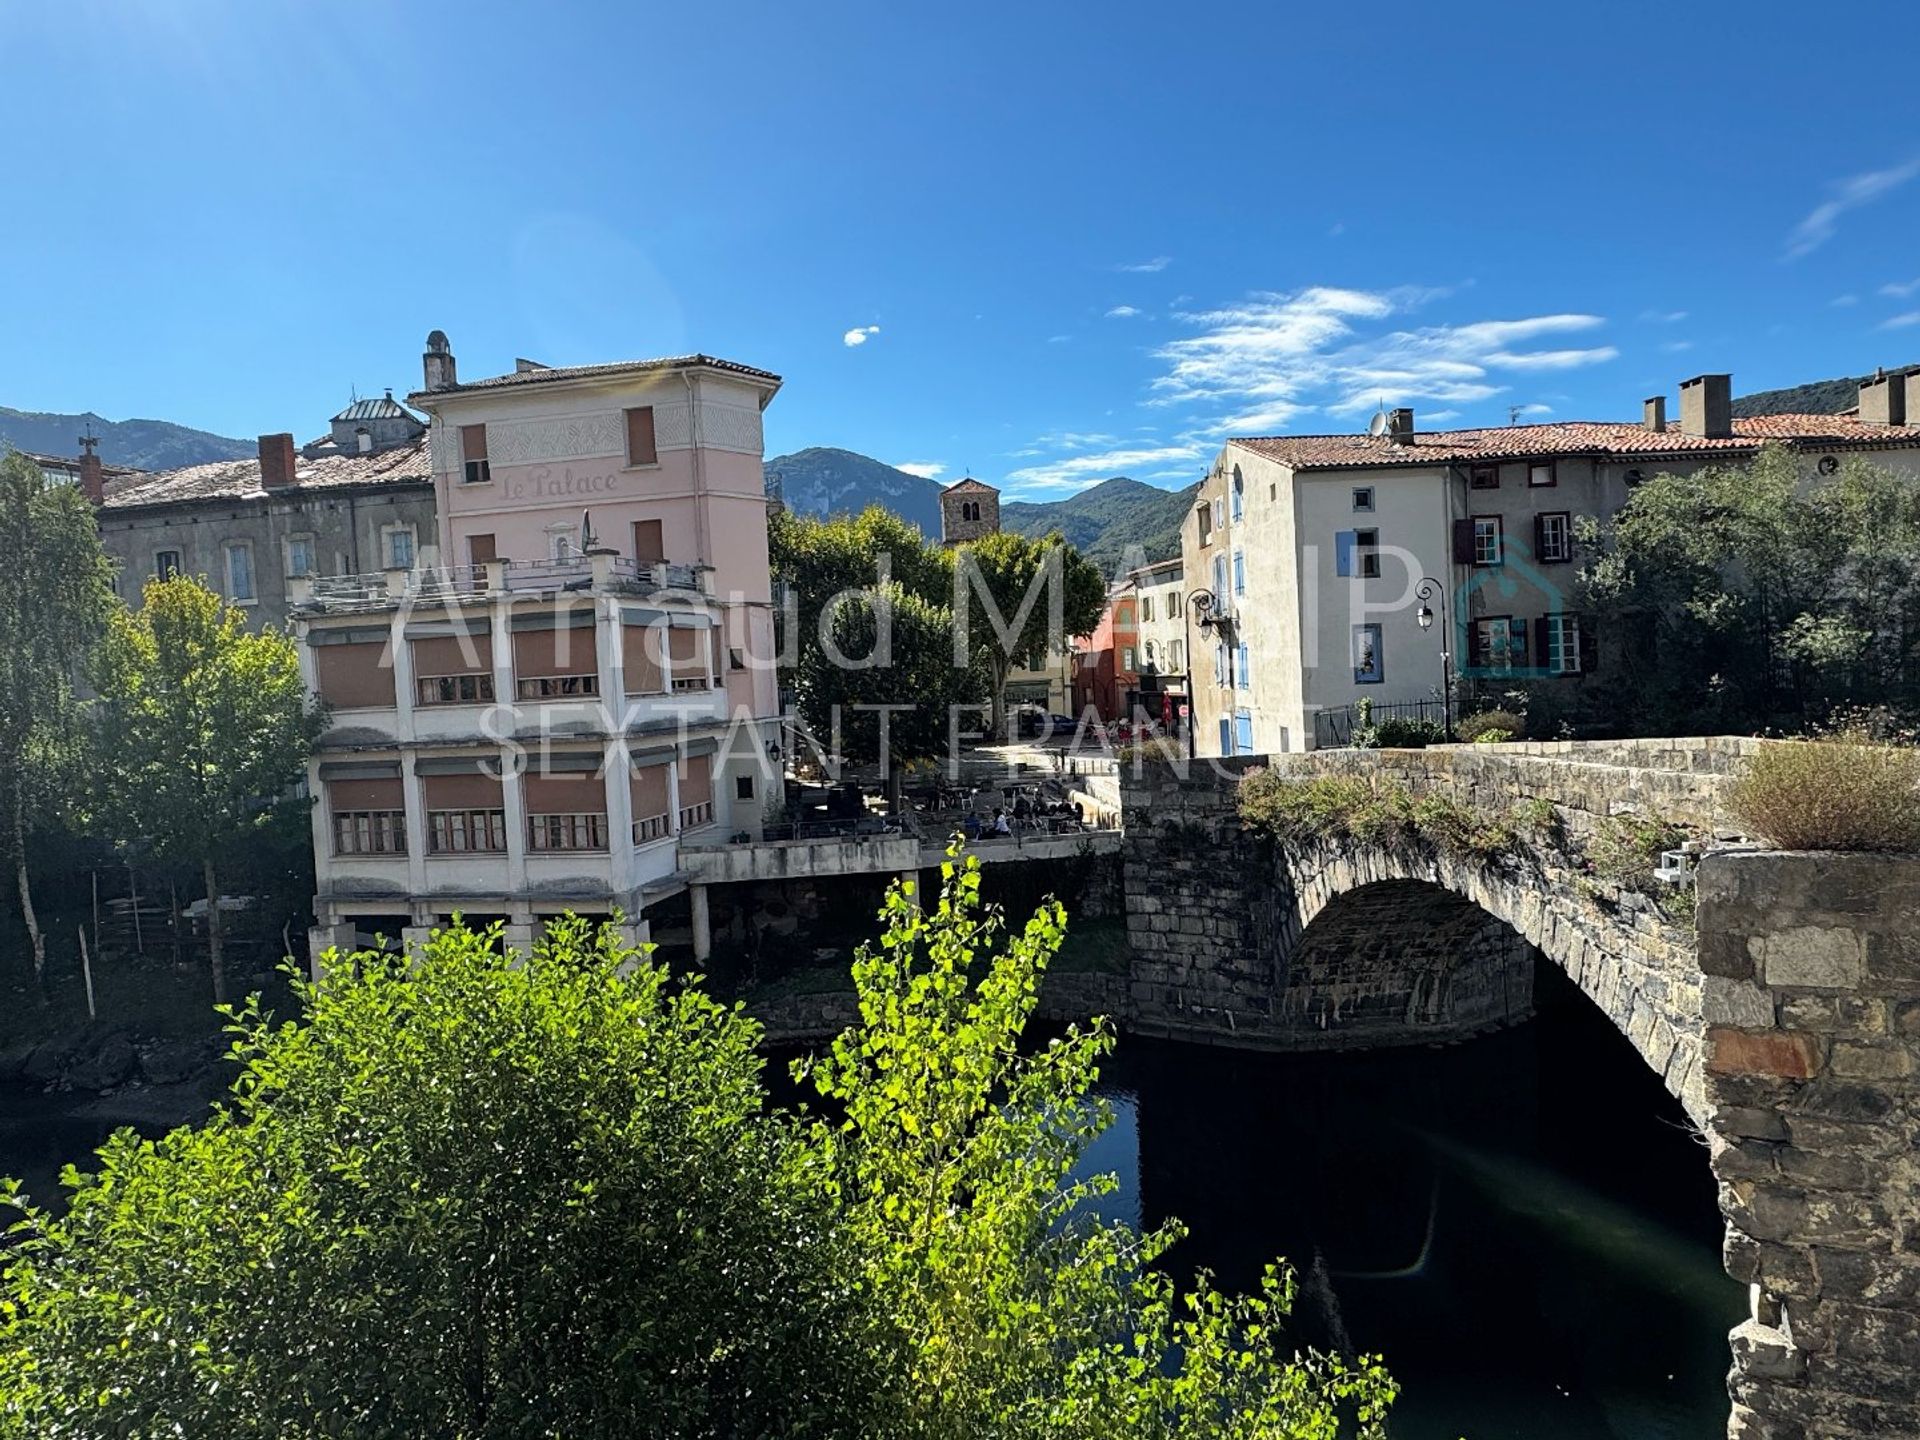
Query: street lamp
[[1428, 591], [1202, 603]]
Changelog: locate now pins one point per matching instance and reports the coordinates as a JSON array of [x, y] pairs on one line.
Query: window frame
[[1499, 533], [743, 786], [1565, 552], [305, 538], [652, 461], [167, 572], [1236, 496], [1376, 674], [1366, 553], [387, 534], [1563, 642], [1479, 656], [229, 549], [1483, 477], [1363, 506], [475, 469], [1534, 467]]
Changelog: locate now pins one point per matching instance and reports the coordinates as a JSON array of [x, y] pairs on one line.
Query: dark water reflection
[[1521, 1225]]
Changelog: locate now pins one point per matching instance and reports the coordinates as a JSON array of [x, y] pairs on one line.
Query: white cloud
[[1076, 472], [1434, 417], [1675, 347], [1534, 409], [1900, 289], [859, 334], [1663, 317], [1823, 221], [1258, 363], [1122, 312], [925, 469], [1058, 339], [1901, 322], [1841, 301], [1147, 267], [1336, 230]]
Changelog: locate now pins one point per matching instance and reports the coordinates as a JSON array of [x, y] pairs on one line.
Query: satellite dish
[[1377, 426]]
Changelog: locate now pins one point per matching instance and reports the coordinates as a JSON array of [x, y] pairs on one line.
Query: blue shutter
[[1243, 733], [1343, 552]]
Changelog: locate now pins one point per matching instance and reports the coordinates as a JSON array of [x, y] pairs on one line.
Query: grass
[[1845, 792], [1373, 811]]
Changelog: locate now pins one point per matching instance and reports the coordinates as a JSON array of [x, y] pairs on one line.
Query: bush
[[1397, 733], [1372, 811], [1489, 727], [1625, 849], [1844, 793]]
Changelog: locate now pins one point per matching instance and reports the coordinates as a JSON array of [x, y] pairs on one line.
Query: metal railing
[[684, 683], [473, 689], [575, 831], [1334, 728], [694, 816], [557, 687], [374, 589], [650, 828]]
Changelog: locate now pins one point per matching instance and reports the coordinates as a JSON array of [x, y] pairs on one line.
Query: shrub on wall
[[1398, 733], [1490, 726], [1839, 793], [1372, 811]]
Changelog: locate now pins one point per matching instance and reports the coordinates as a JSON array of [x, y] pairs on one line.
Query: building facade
[[1311, 553], [253, 528], [541, 726], [1134, 662]]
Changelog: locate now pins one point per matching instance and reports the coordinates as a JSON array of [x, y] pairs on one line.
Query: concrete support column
[[403, 695], [324, 938], [513, 804], [414, 798], [619, 792], [413, 939], [702, 922]]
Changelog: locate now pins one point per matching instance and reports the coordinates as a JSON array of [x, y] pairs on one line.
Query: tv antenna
[[1513, 414]]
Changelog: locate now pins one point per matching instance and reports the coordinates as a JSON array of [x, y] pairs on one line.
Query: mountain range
[[1817, 397], [143, 444]]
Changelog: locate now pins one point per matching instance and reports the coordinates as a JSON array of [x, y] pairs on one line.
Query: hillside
[[1109, 520], [1817, 397], [143, 444], [821, 480]]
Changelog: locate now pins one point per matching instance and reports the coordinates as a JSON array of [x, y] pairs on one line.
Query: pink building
[[583, 687]]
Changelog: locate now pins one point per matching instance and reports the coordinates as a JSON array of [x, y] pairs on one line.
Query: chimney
[[1400, 426], [1706, 407], [1883, 400], [438, 363], [93, 482], [276, 461], [1653, 413], [1913, 397]]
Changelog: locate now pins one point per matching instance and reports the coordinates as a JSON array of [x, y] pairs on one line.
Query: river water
[[1522, 1224]]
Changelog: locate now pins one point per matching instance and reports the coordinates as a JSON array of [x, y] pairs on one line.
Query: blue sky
[[1069, 241]]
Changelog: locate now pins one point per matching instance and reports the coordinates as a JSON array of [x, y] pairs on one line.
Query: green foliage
[[1020, 600], [1400, 733], [1371, 810], [1843, 792], [479, 1197], [56, 591], [201, 730], [1491, 727], [1024, 1316], [470, 1197], [1624, 850], [1742, 597], [1541, 821]]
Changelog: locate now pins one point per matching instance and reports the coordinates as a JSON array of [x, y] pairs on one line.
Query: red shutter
[[1463, 542]]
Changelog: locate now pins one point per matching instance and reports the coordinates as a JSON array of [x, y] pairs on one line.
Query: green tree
[[56, 591], [202, 729], [469, 1197], [1740, 597], [1019, 600], [819, 559], [1025, 1315]]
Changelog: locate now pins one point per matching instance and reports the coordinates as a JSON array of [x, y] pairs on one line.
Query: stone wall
[[1812, 969]]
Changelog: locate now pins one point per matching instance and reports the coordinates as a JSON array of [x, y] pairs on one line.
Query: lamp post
[[1428, 591], [1202, 603]]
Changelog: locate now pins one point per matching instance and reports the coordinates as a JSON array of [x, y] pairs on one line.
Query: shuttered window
[[473, 454], [640, 444]]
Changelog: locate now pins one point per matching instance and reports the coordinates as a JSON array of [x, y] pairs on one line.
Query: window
[[1553, 542], [1239, 498], [1487, 549], [1497, 641], [299, 555], [585, 830], [1219, 514], [1363, 497], [460, 832], [1243, 667], [1563, 644], [453, 689], [1366, 550], [399, 546], [1540, 474], [166, 564], [473, 454], [1219, 575], [1126, 657], [743, 787], [1203, 523], [1239, 573], [735, 659], [640, 446], [1177, 653], [1222, 671], [1368, 665], [1146, 652], [560, 544], [370, 832], [1173, 604], [239, 559], [1146, 607], [1485, 477]]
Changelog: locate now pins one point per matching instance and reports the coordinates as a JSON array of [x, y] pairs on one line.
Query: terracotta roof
[[1599, 438], [544, 374], [227, 480], [71, 462]]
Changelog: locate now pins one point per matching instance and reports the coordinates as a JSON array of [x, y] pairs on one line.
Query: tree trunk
[[998, 729], [39, 941], [215, 958]]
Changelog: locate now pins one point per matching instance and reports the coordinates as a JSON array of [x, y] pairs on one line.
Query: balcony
[[692, 817], [472, 689], [651, 828], [557, 687], [600, 573]]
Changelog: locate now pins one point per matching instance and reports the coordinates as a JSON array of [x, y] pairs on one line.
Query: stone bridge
[[1779, 1001]]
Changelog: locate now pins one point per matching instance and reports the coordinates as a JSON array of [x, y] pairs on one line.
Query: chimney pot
[[1654, 413], [1400, 426], [276, 461], [1883, 400], [1706, 407]]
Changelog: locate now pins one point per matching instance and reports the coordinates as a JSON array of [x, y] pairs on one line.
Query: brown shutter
[[453, 655], [640, 446], [473, 442], [576, 792], [648, 546], [1539, 538], [553, 652], [640, 654], [649, 790], [683, 650], [1589, 646], [480, 549], [355, 676], [696, 780], [1463, 541], [463, 792], [388, 794], [1543, 642]]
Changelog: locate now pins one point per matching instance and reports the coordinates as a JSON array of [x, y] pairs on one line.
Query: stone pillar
[[702, 923], [403, 696], [414, 798], [1812, 1006], [321, 939], [619, 798], [413, 939]]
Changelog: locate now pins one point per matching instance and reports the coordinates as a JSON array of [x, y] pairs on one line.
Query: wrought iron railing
[[1333, 729]]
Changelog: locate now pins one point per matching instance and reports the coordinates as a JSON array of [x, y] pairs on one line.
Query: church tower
[[969, 508]]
